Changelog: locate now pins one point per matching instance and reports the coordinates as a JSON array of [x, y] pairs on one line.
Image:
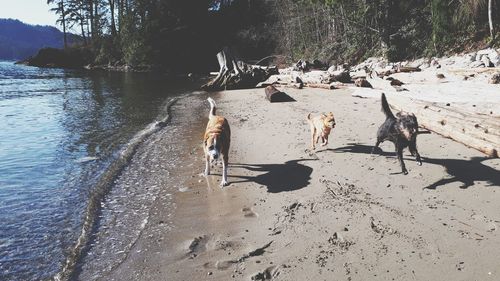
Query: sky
[[28, 11]]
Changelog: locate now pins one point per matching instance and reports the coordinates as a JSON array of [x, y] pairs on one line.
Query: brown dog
[[320, 127], [216, 141]]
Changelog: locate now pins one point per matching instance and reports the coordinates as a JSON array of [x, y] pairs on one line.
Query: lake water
[[61, 135]]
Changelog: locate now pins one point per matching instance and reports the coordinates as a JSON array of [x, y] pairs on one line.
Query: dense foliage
[[185, 35]]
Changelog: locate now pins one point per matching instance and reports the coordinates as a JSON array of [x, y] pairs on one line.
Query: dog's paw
[[405, 172], [419, 163], [223, 183]]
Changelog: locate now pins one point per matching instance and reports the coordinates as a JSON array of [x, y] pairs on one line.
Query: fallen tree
[[235, 74]]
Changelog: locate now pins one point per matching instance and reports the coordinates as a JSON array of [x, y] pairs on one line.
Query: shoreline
[[293, 215]]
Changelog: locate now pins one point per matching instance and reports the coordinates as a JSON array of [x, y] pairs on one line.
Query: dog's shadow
[[289, 176], [464, 171]]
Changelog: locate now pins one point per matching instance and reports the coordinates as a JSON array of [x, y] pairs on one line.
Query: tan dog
[[216, 141], [320, 127]]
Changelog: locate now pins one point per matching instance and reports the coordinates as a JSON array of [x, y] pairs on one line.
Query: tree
[[60, 9]]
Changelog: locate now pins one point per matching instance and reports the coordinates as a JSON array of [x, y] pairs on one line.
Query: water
[[60, 132]]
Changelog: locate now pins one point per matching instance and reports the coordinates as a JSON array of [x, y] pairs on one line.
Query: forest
[[185, 35]]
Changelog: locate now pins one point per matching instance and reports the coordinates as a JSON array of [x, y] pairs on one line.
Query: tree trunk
[[63, 14], [490, 19], [91, 17], [82, 23], [112, 10], [95, 29]]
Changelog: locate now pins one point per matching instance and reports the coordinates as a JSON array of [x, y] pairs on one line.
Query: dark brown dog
[[216, 141], [321, 127], [402, 130]]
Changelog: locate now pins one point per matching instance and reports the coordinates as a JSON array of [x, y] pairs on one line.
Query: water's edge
[[105, 184]]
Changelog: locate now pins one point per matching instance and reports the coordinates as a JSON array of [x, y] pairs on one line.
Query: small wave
[[102, 188], [86, 159]]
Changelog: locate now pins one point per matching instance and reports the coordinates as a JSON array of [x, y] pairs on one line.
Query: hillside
[[19, 40]]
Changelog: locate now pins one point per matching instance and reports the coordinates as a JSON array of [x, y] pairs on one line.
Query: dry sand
[[336, 214]]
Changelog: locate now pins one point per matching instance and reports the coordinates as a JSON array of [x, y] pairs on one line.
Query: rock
[[440, 76], [302, 65], [341, 76], [434, 62], [476, 64], [470, 57], [492, 56], [486, 61], [331, 69], [362, 82], [495, 78], [396, 82], [425, 65]]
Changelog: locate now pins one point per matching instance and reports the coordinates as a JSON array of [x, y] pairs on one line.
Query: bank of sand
[[337, 214]]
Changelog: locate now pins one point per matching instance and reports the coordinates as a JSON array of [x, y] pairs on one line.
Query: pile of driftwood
[[235, 74]]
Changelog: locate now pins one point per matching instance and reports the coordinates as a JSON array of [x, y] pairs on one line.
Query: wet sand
[[338, 213]]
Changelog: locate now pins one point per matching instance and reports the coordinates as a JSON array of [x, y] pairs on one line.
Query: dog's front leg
[[376, 146], [313, 137], [413, 150], [325, 140], [207, 165], [224, 171], [399, 151]]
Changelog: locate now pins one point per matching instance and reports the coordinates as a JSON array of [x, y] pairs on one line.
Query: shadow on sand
[[278, 177], [464, 171]]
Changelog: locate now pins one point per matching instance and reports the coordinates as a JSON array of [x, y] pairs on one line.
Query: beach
[[291, 214]]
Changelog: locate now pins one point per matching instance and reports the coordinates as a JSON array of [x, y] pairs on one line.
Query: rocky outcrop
[[60, 58]]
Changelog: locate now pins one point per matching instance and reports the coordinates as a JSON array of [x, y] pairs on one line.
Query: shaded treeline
[[177, 35], [351, 30], [185, 35]]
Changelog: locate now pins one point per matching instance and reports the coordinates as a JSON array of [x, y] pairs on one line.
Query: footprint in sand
[[268, 274], [249, 213], [197, 246]]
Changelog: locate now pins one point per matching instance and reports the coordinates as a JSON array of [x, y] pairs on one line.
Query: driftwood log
[[481, 132], [235, 74], [275, 95]]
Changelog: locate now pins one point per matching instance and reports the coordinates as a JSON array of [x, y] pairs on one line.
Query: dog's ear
[[323, 115]]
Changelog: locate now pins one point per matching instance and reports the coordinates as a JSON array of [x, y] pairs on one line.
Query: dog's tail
[[385, 108], [212, 107]]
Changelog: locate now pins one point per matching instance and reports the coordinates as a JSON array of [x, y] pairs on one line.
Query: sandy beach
[[336, 213]]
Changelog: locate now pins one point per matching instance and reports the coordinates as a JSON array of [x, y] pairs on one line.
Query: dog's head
[[328, 120], [212, 146], [407, 125]]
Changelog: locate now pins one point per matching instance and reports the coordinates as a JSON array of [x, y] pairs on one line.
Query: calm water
[[59, 131]]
